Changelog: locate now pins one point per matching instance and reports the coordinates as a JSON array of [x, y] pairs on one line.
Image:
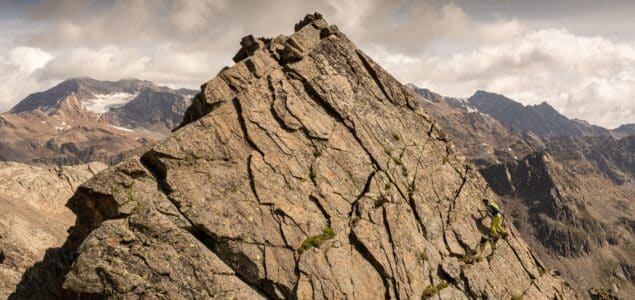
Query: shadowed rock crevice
[[379, 268], [243, 125], [392, 244], [373, 74], [244, 268], [151, 160]]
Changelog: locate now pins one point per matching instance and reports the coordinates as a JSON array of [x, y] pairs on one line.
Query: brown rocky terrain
[[570, 196], [33, 217], [84, 120], [303, 171]]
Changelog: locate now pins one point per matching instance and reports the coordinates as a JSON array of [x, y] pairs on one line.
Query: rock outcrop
[[303, 171], [32, 214]]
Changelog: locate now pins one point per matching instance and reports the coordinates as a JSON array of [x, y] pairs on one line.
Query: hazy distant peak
[[624, 130], [546, 107], [91, 90], [542, 119]]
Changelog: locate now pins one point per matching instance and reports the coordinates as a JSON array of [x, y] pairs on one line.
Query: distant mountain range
[[83, 119], [566, 184], [541, 119]]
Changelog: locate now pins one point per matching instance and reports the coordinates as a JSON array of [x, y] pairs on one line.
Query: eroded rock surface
[[303, 171]]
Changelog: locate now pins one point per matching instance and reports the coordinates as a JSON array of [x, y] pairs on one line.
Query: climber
[[496, 228]]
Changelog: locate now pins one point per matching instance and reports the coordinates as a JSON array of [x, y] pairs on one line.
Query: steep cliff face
[[602, 155], [303, 171], [152, 109], [623, 131], [570, 197], [579, 224], [555, 203], [32, 214]]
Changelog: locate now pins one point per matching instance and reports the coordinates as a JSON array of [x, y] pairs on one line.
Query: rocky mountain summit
[[570, 196], [303, 171], [481, 137], [541, 119], [83, 120], [32, 214]]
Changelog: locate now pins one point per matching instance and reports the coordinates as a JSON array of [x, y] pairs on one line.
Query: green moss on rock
[[317, 240]]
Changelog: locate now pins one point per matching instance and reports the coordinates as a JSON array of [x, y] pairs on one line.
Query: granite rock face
[[303, 171]]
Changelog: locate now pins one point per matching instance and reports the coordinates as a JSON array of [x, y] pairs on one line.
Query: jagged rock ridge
[[542, 119], [303, 171]]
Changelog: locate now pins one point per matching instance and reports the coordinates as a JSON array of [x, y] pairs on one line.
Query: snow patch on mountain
[[102, 103], [471, 109], [121, 128]]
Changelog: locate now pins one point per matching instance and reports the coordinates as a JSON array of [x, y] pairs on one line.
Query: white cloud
[[16, 73], [591, 78], [109, 62], [433, 44], [27, 59], [188, 15], [165, 64]]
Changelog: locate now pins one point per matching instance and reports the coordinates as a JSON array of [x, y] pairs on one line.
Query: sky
[[577, 55]]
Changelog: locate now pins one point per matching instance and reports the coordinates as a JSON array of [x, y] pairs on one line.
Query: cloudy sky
[[578, 55]]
